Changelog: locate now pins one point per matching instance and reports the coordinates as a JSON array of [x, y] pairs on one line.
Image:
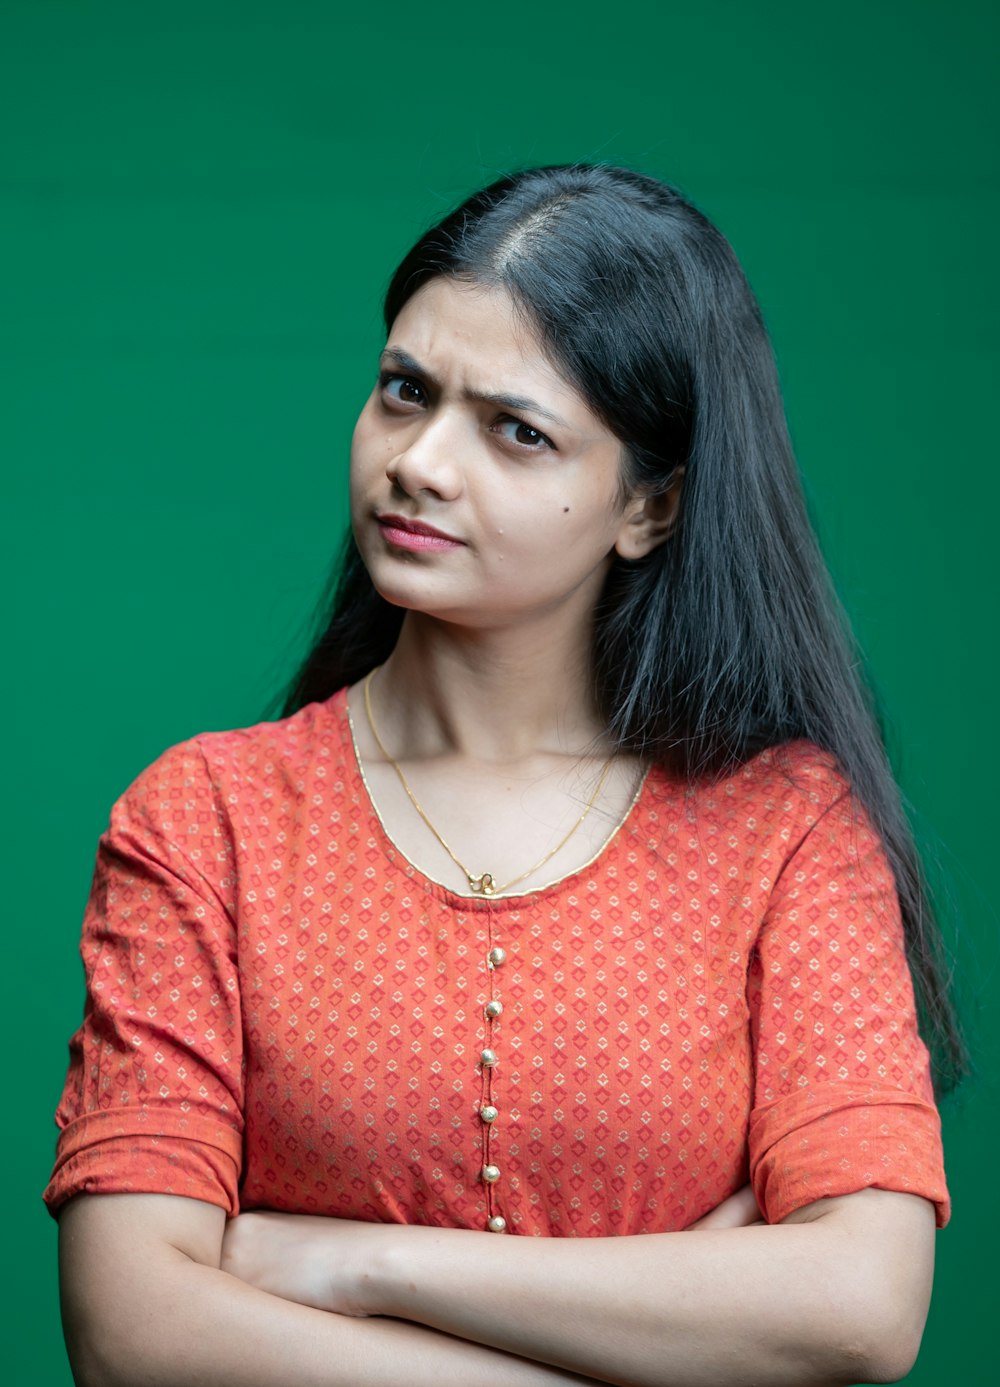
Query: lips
[[414, 536], [414, 527]]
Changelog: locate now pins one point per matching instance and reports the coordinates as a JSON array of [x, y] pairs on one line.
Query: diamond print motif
[[283, 1012]]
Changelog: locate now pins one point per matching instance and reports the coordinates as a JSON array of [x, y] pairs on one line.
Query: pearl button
[[496, 956], [497, 1224], [493, 1009], [491, 1174], [489, 1113], [488, 1058]]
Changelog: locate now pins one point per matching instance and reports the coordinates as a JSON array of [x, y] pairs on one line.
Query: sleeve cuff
[[147, 1151], [816, 1145]]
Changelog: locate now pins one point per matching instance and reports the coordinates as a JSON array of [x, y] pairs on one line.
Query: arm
[[154, 1102], [835, 1287], [146, 1305], [836, 1294]]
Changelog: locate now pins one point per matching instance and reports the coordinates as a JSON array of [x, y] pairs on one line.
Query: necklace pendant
[[484, 885]]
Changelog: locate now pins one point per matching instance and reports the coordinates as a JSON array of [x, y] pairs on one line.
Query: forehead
[[473, 337]]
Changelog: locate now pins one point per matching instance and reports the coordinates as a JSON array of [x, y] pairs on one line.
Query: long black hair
[[729, 638]]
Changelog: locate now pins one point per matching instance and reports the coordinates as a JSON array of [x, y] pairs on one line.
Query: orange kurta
[[284, 1012]]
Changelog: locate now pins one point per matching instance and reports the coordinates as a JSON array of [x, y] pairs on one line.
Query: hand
[[332, 1263], [740, 1210], [328, 1263]]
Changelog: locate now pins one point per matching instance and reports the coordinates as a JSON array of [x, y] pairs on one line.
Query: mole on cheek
[[565, 510]]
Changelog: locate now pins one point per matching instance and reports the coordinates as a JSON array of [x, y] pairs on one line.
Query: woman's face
[[484, 490]]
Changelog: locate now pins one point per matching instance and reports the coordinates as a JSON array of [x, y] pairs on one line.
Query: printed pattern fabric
[[283, 1012]]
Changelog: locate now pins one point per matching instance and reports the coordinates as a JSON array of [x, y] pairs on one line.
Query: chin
[[402, 595], [399, 590]]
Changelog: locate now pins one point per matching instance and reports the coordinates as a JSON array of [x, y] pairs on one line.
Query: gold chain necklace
[[485, 884]]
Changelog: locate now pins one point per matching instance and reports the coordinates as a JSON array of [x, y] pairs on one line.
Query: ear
[[648, 520]]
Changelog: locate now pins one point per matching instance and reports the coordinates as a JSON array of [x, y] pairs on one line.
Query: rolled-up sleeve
[[153, 1097], [843, 1097]]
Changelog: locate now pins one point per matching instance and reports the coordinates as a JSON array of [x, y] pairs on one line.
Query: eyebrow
[[521, 402]]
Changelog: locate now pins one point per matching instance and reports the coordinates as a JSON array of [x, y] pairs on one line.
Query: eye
[[402, 390], [522, 434]]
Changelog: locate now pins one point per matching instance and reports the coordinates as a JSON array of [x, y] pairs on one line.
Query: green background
[[201, 204]]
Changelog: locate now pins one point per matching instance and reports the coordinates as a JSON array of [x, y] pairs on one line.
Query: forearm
[[811, 1303], [141, 1312], [210, 1328]]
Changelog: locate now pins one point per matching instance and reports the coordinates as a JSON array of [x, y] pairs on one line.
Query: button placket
[[489, 1058]]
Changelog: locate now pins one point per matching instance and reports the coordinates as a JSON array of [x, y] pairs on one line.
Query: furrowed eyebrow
[[405, 362]]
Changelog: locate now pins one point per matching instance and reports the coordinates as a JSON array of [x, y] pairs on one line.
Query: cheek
[[369, 451], [564, 533], [365, 469], [355, 479]]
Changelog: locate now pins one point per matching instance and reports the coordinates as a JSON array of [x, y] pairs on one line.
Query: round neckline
[[442, 890]]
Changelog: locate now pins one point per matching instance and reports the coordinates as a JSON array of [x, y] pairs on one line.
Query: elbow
[[99, 1360], [871, 1354], [889, 1363], [110, 1338], [890, 1356], [843, 1358], [863, 1326], [886, 1341], [879, 1271], [90, 1367]]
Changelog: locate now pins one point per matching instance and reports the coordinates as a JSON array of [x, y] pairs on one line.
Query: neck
[[498, 696]]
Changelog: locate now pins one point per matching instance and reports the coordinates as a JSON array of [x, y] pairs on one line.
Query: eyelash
[[386, 378]]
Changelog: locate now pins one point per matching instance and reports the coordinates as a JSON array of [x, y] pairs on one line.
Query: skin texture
[[486, 701], [494, 650], [160, 1290], [532, 496], [145, 1305], [785, 1304]]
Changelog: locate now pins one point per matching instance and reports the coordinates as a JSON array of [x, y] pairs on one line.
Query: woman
[[571, 896]]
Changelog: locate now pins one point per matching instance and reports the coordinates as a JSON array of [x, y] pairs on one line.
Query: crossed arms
[[158, 1290]]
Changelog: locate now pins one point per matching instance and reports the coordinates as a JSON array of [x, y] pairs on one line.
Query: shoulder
[[797, 781], [797, 778], [787, 799], [312, 739], [221, 769]]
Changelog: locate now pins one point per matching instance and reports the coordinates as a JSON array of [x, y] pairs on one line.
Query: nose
[[426, 461]]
